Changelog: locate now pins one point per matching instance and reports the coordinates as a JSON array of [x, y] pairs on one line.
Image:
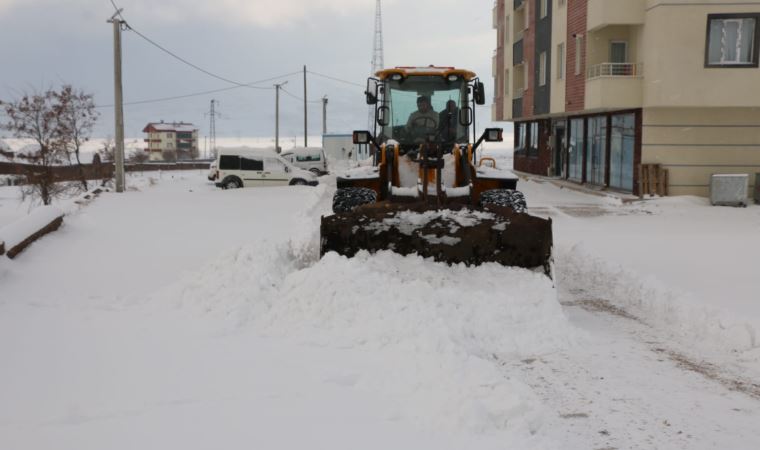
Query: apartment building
[[180, 139], [597, 87]]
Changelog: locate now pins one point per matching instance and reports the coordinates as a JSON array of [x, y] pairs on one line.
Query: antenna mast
[[212, 128], [378, 62]]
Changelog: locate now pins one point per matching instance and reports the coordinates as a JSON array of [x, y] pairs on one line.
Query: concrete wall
[[693, 143], [615, 12], [674, 72]]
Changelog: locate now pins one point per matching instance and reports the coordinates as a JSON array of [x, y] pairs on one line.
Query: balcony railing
[[616, 70], [518, 56]]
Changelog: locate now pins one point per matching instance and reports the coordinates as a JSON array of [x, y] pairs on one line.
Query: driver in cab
[[424, 121]]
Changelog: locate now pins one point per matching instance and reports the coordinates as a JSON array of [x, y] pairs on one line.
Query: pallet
[[653, 180]]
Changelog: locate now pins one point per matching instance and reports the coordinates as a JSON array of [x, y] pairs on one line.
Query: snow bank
[[16, 233], [655, 302], [438, 335]]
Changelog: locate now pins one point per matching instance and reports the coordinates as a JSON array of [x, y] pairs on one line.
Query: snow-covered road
[[181, 316]]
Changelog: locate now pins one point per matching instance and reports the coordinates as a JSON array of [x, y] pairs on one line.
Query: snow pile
[[437, 336], [659, 304], [20, 230], [408, 222]]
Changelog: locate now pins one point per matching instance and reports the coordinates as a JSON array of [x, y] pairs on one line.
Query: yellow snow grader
[[425, 191]]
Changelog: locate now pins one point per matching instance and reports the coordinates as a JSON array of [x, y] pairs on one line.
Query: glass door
[[596, 150], [575, 151], [622, 145]]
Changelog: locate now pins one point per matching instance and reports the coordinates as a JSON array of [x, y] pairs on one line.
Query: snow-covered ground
[[178, 315]]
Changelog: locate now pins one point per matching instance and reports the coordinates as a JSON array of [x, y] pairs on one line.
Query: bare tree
[[106, 151], [39, 117], [77, 120], [138, 156], [169, 155]]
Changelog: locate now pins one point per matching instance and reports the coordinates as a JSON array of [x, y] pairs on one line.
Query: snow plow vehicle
[[425, 191]]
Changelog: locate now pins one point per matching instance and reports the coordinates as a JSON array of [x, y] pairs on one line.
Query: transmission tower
[[212, 128], [378, 62]]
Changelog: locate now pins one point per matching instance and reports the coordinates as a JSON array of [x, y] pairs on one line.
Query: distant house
[[177, 138]]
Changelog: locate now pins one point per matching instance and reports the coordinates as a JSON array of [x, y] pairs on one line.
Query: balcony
[[615, 85], [517, 104], [518, 56], [604, 13]]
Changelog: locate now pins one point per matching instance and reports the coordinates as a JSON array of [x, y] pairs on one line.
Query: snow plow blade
[[468, 235]]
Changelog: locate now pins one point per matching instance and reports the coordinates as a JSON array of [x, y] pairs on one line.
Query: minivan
[[308, 158], [248, 168]]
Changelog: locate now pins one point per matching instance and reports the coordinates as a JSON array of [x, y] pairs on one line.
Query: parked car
[[248, 168], [308, 158], [213, 174]]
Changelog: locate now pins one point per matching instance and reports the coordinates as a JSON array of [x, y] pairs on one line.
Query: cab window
[[229, 162], [251, 164]]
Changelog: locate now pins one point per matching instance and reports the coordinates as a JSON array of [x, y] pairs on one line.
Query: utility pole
[[324, 115], [118, 101], [305, 112], [277, 88]]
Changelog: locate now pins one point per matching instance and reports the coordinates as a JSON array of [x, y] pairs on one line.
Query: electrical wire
[[336, 79], [175, 56], [300, 99], [199, 94]]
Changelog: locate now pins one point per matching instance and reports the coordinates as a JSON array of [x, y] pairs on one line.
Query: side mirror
[[480, 93], [382, 116], [493, 135], [371, 92], [465, 116], [362, 137]]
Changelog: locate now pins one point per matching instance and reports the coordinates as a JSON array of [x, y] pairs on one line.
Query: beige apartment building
[[597, 87], [177, 137]]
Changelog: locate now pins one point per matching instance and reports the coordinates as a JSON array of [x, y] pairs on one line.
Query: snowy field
[[178, 315]]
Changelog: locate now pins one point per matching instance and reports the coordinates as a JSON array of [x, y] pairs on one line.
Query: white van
[[246, 168], [308, 158]]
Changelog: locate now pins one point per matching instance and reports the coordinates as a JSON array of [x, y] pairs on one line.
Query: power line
[[174, 55], [198, 94], [336, 79], [300, 99]]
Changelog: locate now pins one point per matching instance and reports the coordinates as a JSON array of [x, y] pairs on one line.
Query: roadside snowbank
[[657, 303], [16, 232]]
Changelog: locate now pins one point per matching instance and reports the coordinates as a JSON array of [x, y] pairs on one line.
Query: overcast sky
[[46, 43]]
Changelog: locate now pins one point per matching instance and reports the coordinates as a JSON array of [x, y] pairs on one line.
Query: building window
[[596, 150], [520, 135], [533, 147], [506, 83], [578, 54], [561, 61], [506, 31], [622, 149], [542, 69], [542, 8], [575, 151], [732, 40]]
